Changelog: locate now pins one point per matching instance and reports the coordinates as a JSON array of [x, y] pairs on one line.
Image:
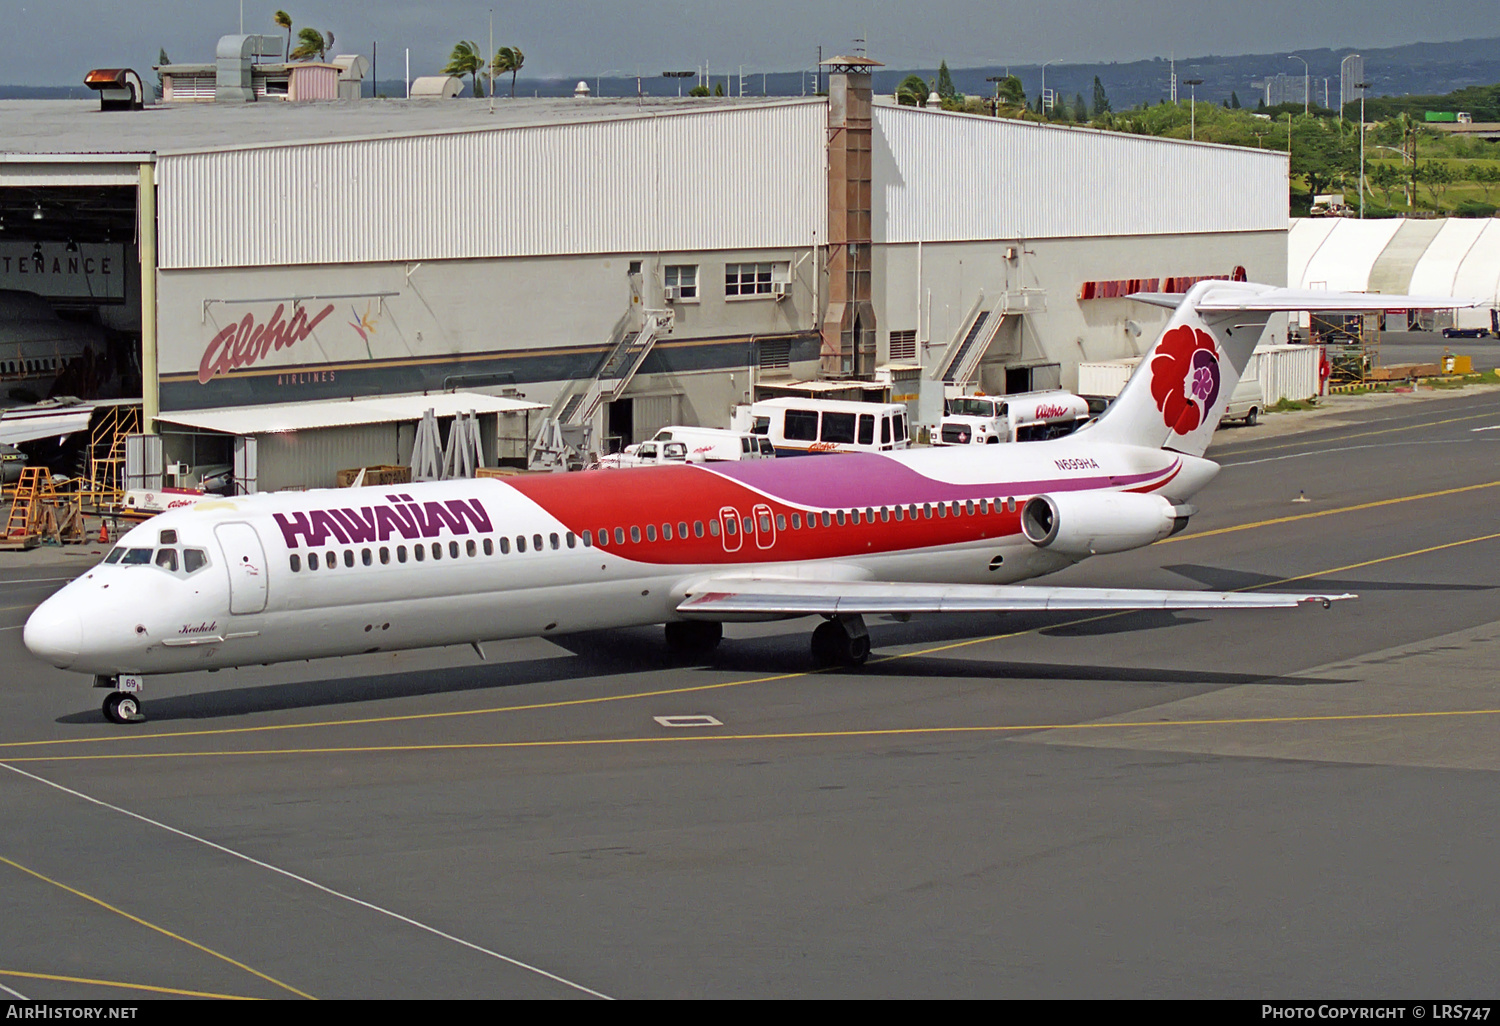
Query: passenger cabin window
[[838, 428], [296, 563], [801, 426]]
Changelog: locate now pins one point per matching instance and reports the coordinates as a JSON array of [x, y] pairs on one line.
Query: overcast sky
[[55, 43]]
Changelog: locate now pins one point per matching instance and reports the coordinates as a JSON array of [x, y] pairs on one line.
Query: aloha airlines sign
[[247, 342]]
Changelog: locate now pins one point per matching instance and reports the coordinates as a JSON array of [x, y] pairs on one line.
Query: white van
[[711, 444], [1024, 417], [1246, 402], [797, 427]]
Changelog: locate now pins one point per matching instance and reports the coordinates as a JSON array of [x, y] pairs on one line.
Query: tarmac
[[1242, 804]]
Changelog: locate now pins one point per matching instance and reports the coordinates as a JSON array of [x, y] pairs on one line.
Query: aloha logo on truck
[[406, 517], [1052, 410], [245, 343], [1185, 377]]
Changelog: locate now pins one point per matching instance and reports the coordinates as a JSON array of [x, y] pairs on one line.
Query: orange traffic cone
[[103, 532]]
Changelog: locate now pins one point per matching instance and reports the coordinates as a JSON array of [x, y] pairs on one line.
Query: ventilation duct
[[232, 81]]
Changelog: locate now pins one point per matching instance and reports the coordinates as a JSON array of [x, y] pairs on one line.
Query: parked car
[[1466, 332], [1246, 402]]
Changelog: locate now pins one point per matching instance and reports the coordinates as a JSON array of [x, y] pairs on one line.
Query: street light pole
[[1306, 82], [1342, 100], [1044, 83], [1361, 86], [1193, 84]]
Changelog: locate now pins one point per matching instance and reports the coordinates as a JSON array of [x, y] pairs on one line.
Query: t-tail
[[1178, 394]]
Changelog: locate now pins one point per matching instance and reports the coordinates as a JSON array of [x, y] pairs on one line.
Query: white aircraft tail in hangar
[[303, 575]]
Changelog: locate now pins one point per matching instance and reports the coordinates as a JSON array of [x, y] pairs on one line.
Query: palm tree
[[311, 42], [465, 60], [284, 20], [912, 92], [508, 58]]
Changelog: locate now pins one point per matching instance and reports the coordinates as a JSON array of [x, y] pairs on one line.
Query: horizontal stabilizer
[[763, 596], [1228, 297]]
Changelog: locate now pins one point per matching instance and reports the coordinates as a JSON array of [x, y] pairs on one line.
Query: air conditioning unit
[[779, 289], [1010, 252], [669, 293]]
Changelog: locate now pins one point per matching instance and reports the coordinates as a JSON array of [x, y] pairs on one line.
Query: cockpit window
[[168, 537], [194, 560], [166, 558], [136, 557], [115, 554]]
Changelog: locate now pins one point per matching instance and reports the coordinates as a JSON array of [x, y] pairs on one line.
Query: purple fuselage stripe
[[868, 479]]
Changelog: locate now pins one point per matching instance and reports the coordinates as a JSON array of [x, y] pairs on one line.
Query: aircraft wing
[[28, 423], [724, 597]]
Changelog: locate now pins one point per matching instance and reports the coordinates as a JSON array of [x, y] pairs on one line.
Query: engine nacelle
[[1091, 523]]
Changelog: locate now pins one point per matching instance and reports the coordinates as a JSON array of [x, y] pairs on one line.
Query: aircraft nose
[[54, 633]]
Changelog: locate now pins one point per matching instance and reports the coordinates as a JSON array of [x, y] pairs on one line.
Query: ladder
[[21, 524]]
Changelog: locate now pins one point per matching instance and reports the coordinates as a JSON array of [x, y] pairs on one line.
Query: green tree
[[718, 88], [1101, 99], [1486, 176], [1080, 109], [1321, 155], [311, 42], [1437, 177], [698, 90], [1011, 91], [466, 60], [507, 59], [284, 20], [162, 60], [1234, 100], [912, 92], [1384, 177], [944, 85]]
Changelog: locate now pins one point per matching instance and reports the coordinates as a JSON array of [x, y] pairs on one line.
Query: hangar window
[[754, 279], [683, 278]]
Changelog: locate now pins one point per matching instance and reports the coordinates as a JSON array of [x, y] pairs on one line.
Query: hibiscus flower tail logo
[[1185, 377]]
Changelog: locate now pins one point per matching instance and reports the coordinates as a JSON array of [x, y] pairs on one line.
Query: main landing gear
[[123, 703], [694, 635], [841, 641]]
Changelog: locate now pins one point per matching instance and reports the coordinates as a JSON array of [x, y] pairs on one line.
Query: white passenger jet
[[302, 575]]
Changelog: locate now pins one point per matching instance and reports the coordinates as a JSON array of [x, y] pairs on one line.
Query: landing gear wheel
[[694, 635], [841, 642], [122, 707]]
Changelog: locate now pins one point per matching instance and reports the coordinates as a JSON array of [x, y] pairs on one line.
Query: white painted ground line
[[1492, 427], [693, 720], [310, 883]]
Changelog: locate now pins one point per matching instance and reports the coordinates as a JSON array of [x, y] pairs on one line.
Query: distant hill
[[1416, 68]]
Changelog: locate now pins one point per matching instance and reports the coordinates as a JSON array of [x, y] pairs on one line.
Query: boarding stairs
[[565, 426], [977, 331]]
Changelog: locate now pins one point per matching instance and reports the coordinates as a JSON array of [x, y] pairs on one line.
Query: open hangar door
[[70, 304], [70, 291]]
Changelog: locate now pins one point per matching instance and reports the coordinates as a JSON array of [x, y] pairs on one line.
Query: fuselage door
[[765, 526], [245, 559], [729, 522]]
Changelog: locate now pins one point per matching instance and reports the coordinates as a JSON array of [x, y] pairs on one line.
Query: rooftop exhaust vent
[[118, 88], [232, 81], [436, 87]]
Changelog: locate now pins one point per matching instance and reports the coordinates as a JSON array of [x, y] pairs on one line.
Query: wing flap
[[772, 596]]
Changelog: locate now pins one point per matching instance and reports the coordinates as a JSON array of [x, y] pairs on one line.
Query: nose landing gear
[[122, 705], [841, 641]]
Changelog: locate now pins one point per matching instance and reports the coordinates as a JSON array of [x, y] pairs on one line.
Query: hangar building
[[625, 263]]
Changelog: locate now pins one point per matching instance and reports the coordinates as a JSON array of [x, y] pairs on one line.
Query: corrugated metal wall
[[946, 177], [702, 180], [312, 459]]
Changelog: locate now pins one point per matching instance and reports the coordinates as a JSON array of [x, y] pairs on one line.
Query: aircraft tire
[[122, 707], [694, 635]]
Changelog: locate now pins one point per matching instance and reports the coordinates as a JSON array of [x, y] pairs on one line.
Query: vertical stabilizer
[[1178, 393]]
